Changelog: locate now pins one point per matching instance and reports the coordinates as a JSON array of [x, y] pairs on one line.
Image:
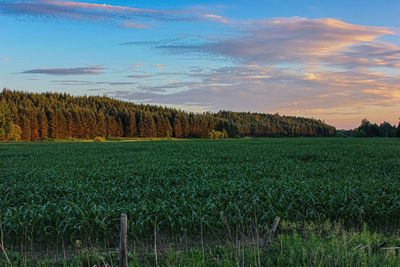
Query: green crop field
[[58, 194]]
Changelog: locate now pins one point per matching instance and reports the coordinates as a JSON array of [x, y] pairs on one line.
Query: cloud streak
[[81, 11], [83, 83], [67, 71], [131, 24]]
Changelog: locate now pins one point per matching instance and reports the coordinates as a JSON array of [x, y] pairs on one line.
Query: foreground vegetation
[[296, 245], [212, 200]]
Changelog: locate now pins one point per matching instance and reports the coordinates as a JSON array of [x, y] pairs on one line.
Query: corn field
[[76, 191]]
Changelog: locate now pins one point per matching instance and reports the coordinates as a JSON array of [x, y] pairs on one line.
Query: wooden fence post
[[271, 233], [123, 255]]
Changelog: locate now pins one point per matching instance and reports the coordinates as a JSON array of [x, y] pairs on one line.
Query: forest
[[53, 116]]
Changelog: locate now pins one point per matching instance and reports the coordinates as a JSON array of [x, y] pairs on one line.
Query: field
[[193, 194]]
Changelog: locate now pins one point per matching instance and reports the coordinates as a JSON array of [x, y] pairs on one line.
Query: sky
[[338, 61]]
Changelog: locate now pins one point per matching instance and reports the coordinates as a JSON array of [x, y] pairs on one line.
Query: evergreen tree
[[185, 125], [53, 125], [101, 125], [147, 126], [111, 126], [168, 128], [26, 128], [120, 128], [69, 131], [43, 126], [34, 126], [6, 120], [177, 128]]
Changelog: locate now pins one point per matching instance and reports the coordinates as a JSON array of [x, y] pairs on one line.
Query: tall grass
[[297, 244]]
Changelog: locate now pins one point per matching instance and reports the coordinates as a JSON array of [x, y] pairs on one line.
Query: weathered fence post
[[271, 233], [123, 255]]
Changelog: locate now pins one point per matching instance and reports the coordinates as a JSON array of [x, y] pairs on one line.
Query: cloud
[[297, 41], [81, 82], [294, 40], [367, 55], [81, 11], [4, 59], [67, 71], [131, 24], [139, 76], [217, 18]]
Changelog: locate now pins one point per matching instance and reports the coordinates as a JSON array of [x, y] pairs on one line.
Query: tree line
[[54, 116], [368, 129]]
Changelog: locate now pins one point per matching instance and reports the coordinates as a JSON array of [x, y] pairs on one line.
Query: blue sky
[[337, 61]]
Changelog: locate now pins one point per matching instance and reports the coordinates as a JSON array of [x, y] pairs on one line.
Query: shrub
[[99, 139]]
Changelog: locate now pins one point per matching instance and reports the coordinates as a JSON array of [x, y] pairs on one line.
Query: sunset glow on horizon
[[337, 62]]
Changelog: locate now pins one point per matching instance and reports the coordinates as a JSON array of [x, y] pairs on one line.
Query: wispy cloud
[[135, 25], [140, 76], [67, 71], [217, 18], [83, 82], [81, 11], [4, 59]]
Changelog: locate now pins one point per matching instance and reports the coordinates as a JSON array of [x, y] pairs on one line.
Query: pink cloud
[[217, 18], [131, 24], [293, 40]]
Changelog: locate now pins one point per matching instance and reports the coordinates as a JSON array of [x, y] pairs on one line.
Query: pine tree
[[26, 128], [111, 126], [69, 131], [34, 127], [147, 126], [101, 125], [53, 125], [43, 126], [6, 120], [168, 128], [120, 128], [131, 130], [177, 128], [185, 126]]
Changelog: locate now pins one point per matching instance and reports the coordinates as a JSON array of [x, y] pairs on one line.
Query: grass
[[205, 197], [296, 245]]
